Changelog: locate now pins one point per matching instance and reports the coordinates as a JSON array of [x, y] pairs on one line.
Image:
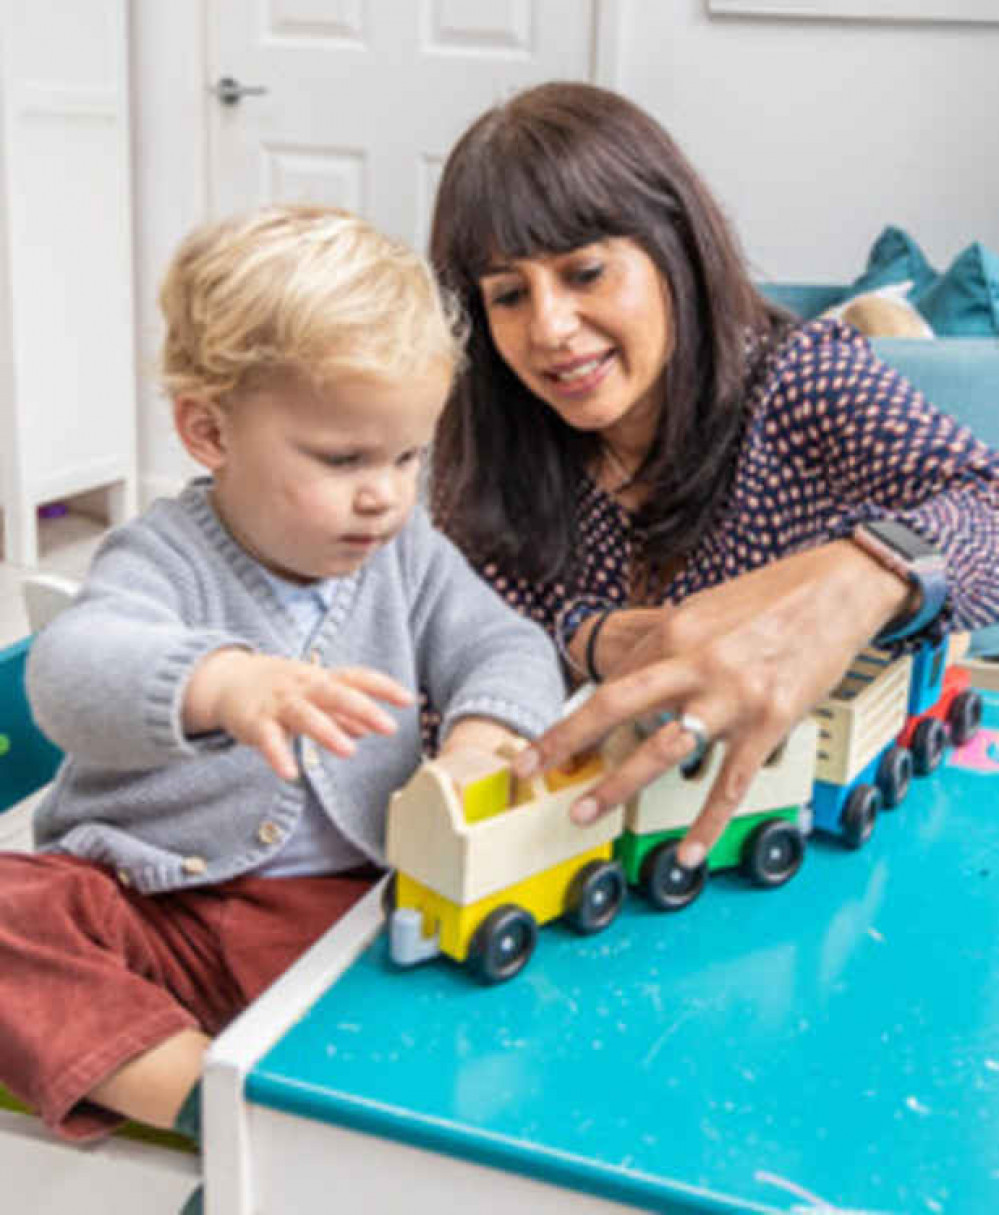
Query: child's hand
[[484, 735], [475, 748], [265, 702]]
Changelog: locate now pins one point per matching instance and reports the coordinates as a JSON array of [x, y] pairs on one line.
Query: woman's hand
[[265, 702], [748, 659]]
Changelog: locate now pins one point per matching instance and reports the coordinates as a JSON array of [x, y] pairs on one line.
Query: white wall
[[814, 134]]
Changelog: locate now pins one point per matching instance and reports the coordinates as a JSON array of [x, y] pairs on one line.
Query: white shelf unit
[[67, 339]]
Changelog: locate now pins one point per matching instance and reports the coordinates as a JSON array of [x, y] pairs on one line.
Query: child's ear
[[202, 430]]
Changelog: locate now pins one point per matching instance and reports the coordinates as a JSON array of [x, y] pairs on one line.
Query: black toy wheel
[[964, 717], [595, 896], [859, 814], [929, 742], [894, 776], [503, 944], [773, 853], [668, 884]]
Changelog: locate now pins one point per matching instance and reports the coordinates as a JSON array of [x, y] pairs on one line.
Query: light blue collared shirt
[[315, 846]]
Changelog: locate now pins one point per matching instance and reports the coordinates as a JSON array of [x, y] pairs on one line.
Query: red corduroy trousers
[[93, 974]]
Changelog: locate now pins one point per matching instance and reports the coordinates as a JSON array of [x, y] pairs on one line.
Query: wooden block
[[984, 672]]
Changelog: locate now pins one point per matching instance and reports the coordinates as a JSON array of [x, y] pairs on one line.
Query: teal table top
[[835, 1040]]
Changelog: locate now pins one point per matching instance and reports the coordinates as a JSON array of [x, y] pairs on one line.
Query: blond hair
[[310, 290]]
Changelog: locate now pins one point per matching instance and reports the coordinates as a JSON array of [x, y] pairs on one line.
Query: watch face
[[902, 539]]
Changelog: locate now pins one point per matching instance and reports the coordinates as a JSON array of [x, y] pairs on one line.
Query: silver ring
[[686, 721], [694, 726]]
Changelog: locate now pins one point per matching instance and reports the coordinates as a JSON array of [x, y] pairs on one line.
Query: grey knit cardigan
[[107, 678]]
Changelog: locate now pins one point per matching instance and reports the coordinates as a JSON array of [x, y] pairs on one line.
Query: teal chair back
[[27, 759]]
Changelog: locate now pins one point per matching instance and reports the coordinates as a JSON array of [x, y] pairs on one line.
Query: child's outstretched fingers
[[303, 717], [353, 710], [376, 683], [266, 702], [273, 745]]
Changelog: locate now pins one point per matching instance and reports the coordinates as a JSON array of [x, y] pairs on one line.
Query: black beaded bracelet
[[591, 643], [568, 623]]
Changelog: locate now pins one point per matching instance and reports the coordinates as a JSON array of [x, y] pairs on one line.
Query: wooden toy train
[[476, 873]]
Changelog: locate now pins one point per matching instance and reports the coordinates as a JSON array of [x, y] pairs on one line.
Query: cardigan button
[[311, 755], [124, 877], [269, 833], [194, 865]]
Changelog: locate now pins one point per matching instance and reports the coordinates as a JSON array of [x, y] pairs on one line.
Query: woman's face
[[588, 331]]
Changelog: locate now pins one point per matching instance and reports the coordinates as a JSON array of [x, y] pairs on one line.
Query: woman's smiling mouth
[[580, 375]]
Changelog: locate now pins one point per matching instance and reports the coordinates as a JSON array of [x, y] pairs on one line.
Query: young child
[[236, 686]]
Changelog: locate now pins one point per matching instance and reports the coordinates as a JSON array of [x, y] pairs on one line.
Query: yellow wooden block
[[487, 796]]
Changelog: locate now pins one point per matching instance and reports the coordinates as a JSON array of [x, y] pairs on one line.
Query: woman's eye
[[341, 460], [410, 457], [587, 274], [505, 297]]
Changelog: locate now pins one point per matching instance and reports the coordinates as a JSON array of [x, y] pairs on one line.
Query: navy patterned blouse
[[833, 437]]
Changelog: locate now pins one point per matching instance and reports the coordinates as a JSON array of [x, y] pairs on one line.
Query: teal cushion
[[984, 641], [894, 258], [964, 300]]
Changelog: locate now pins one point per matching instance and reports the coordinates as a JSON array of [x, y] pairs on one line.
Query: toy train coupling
[[407, 944]]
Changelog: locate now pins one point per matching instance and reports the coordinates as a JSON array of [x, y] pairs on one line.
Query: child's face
[[312, 482]]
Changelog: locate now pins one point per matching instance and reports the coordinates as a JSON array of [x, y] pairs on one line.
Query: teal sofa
[[960, 375]]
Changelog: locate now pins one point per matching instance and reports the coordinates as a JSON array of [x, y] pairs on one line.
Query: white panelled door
[[364, 98]]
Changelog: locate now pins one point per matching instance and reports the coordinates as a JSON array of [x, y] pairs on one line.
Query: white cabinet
[[67, 341]]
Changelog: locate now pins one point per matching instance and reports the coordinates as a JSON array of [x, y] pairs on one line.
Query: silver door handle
[[229, 91]]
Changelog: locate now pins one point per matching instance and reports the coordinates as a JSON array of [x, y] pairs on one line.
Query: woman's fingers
[[666, 748], [746, 660], [743, 759], [659, 685]]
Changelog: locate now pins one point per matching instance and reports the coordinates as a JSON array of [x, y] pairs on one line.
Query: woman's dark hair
[[559, 166]]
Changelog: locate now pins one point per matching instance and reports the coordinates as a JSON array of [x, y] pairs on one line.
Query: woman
[[695, 496]]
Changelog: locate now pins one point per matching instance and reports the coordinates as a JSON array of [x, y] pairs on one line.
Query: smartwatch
[[903, 551]]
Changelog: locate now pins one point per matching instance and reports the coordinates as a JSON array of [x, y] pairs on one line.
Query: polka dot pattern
[[832, 437]]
